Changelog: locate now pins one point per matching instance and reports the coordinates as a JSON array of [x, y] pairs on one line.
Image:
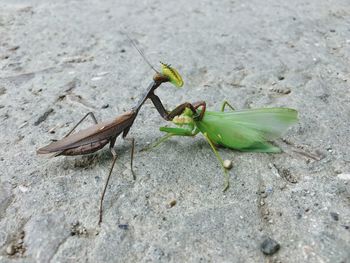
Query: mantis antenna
[[168, 72], [140, 52]]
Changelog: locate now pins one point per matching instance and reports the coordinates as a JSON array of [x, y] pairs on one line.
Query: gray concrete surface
[[61, 59]]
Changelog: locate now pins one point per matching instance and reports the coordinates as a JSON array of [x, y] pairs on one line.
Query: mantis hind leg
[[75, 126], [226, 103], [79, 122], [227, 183]]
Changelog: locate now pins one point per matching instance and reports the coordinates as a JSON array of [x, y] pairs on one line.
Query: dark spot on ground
[[2, 91], [77, 229], [123, 226], [269, 246], [172, 203], [86, 161], [335, 216], [43, 117]]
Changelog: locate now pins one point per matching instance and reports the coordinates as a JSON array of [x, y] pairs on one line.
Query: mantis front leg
[[170, 133], [169, 116]]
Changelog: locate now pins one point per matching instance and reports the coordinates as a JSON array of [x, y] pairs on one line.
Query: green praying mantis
[[243, 130]]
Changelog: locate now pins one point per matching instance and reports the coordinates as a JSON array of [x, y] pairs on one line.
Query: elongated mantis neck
[[158, 79]]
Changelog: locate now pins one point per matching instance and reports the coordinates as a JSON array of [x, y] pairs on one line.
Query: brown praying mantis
[[94, 138]]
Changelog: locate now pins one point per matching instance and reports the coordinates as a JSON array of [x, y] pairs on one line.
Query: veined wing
[[247, 130], [90, 135]]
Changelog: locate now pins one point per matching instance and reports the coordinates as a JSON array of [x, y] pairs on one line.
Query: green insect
[[173, 75], [243, 130]]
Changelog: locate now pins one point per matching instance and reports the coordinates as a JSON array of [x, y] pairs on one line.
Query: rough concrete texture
[[62, 59]]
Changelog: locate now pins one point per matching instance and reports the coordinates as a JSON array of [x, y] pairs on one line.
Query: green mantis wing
[[247, 130]]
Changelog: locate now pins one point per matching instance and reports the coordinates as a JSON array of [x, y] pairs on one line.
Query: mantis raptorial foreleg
[[171, 115], [179, 109], [227, 183]]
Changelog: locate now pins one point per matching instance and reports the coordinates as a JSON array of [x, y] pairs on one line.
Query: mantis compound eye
[[173, 75]]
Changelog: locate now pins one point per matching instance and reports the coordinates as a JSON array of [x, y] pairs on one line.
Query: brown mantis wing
[[95, 133]]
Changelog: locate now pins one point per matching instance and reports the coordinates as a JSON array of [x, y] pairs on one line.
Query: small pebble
[[269, 246], [228, 164], [335, 216], [10, 250], [172, 203], [105, 106]]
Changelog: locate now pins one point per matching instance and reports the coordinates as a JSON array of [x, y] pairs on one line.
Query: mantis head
[[168, 73], [173, 75], [185, 119]]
